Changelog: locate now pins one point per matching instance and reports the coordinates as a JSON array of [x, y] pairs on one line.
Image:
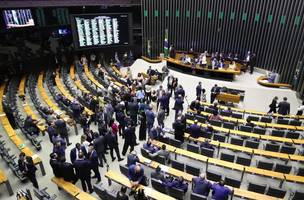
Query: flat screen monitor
[[18, 18], [98, 30]]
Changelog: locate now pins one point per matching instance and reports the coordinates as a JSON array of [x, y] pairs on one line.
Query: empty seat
[[144, 153], [252, 144], [237, 115], [219, 137], [215, 123], [175, 142], [293, 135], [265, 165], [245, 128], [192, 170], [207, 134], [201, 119], [195, 196], [100, 191], [260, 131], [288, 149], [295, 123], [276, 192], [189, 116], [300, 171], [207, 152], [111, 195], [282, 121], [213, 176], [243, 161], [278, 133], [257, 188], [123, 169], [297, 196], [228, 125], [227, 157], [177, 165], [158, 186], [266, 119], [232, 182], [272, 147], [285, 169], [193, 148], [209, 110], [225, 113], [236, 141], [253, 118], [176, 193], [160, 159]]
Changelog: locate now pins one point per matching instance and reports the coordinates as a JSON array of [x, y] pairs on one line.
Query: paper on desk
[[164, 168], [34, 156]]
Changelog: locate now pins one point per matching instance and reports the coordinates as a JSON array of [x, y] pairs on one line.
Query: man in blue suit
[[150, 118], [83, 172], [74, 154], [201, 185], [195, 130], [93, 158]]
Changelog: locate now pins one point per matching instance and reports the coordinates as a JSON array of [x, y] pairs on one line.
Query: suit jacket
[[150, 116], [130, 135], [158, 176], [93, 158], [284, 108], [178, 104], [111, 140], [61, 127], [82, 168], [133, 108], [99, 144], [56, 166], [73, 154], [68, 172], [132, 159]]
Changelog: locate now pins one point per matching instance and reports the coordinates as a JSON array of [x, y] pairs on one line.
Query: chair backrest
[[253, 118], [193, 170], [260, 131], [213, 176], [193, 148], [232, 182], [158, 186], [100, 191], [266, 119], [225, 113], [111, 195], [195, 196], [144, 153], [176, 193], [201, 119], [236, 141], [282, 121], [298, 196], [265, 165], [278, 133], [293, 135], [285, 169], [219, 137], [209, 110], [228, 125], [276, 192], [207, 134], [257, 188], [237, 115], [215, 123], [243, 161], [207, 152], [300, 171], [252, 144], [245, 128], [189, 116], [272, 147], [175, 142], [227, 157], [161, 159], [177, 165], [123, 169], [295, 123], [288, 149]]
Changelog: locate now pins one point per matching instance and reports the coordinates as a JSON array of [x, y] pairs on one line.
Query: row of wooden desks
[[247, 111], [4, 180], [188, 177], [230, 165], [77, 82], [251, 135], [123, 180]]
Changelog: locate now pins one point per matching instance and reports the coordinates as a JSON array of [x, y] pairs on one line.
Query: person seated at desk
[[201, 185], [214, 63], [214, 106], [187, 60], [136, 175], [183, 57], [271, 77], [30, 125], [206, 144], [221, 64], [162, 152], [228, 111], [150, 71], [132, 159], [215, 116], [150, 147], [156, 133], [158, 175], [204, 59], [220, 191], [195, 105], [249, 123], [195, 130], [232, 65], [121, 195], [178, 184]]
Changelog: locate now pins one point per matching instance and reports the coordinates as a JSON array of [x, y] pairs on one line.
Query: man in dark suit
[[158, 174], [56, 165], [179, 129], [132, 159], [215, 90], [133, 111], [201, 185], [150, 115], [74, 154], [113, 145], [61, 128], [68, 171], [199, 91], [93, 158], [100, 146], [130, 138], [83, 172], [195, 130], [178, 105], [284, 107]]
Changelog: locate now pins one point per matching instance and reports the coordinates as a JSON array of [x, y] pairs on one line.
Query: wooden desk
[[67, 186], [151, 60], [263, 80], [4, 180], [123, 180], [188, 177], [226, 97], [21, 90], [251, 135], [91, 77], [77, 82], [230, 165]]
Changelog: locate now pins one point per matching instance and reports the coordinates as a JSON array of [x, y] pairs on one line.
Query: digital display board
[[18, 18]]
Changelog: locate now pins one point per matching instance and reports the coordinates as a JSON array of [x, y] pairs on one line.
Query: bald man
[[201, 185]]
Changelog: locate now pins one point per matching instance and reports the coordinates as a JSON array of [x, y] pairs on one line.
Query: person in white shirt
[[300, 109]]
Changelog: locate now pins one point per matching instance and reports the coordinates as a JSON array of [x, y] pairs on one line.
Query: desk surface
[[67, 186], [3, 177], [85, 196], [261, 80], [122, 180]]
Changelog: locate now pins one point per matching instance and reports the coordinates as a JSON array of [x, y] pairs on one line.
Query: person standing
[[74, 153], [133, 111], [56, 165], [284, 107], [143, 127], [100, 146], [178, 105], [199, 91], [214, 92], [161, 117], [300, 109], [170, 84], [113, 145], [30, 171], [129, 139], [179, 129], [150, 118], [68, 171], [83, 172], [62, 129], [201, 185], [93, 158], [273, 105]]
